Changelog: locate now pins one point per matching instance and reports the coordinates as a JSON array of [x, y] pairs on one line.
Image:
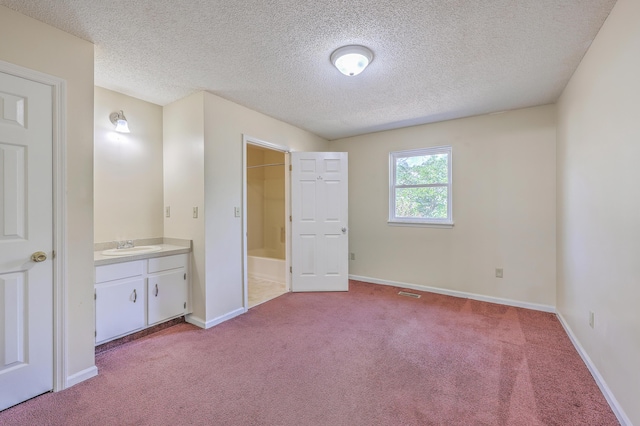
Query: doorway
[[266, 221]]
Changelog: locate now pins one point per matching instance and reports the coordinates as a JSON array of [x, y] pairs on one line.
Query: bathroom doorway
[[266, 221]]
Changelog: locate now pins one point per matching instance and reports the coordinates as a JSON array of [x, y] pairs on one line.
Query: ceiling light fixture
[[351, 60], [120, 121]]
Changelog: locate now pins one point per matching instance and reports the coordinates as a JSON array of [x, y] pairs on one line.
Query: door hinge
[[291, 269], [290, 167], [185, 305], [53, 254], [290, 219], [185, 275], [95, 333], [95, 296]]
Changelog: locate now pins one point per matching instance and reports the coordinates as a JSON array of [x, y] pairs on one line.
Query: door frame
[[249, 140], [59, 256]]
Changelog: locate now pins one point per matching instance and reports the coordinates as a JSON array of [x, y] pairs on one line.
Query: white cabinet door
[[319, 210], [166, 296], [119, 308]]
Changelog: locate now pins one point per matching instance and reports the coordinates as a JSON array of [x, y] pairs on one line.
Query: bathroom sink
[[131, 251]]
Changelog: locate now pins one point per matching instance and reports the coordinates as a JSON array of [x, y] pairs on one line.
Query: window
[[420, 187]]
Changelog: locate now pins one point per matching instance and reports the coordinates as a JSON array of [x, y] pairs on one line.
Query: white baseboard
[[192, 319], [613, 402], [81, 376], [455, 293], [199, 322]]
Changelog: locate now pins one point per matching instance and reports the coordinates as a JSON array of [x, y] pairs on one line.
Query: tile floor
[[261, 290]]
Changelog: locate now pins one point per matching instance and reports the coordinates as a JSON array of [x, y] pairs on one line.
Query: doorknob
[[39, 256], [344, 230]]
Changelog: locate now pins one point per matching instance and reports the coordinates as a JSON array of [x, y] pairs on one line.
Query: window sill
[[421, 224]]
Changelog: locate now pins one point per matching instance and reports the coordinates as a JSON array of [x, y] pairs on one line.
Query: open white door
[[319, 216], [26, 240]]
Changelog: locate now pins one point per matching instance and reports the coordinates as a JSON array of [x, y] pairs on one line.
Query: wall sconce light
[[351, 60], [120, 121]]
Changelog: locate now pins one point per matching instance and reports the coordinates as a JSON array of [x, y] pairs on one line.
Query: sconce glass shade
[[351, 60], [120, 121]]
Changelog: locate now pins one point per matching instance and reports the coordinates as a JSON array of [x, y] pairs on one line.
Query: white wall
[[128, 187], [274, 205], [503, 208], [203, 167], [184, 185], [255, 198], [266, 201], [32, 44], [225, 123], [599, 201]]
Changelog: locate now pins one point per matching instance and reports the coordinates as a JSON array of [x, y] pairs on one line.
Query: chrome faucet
[[124, 244]]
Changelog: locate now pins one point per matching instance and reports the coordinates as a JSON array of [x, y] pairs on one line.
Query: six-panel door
[[319, 210], [26, 240]]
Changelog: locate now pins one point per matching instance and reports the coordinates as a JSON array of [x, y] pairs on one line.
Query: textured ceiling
[[433, 59]]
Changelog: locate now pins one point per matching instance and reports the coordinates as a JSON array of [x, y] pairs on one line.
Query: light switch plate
[[195, 212]]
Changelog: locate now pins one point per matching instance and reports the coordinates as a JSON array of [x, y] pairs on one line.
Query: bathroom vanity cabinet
[[130, 296]]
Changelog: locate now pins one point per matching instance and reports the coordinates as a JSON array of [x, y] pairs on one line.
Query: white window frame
[[406, 221]]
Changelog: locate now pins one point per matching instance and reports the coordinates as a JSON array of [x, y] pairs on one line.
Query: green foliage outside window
[[422, 170], [422, 203], [421, 186]]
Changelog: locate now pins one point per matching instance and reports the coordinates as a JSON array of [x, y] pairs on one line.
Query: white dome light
[[351, 60]]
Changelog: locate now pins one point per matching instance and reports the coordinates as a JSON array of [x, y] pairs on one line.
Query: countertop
[[169, 247]]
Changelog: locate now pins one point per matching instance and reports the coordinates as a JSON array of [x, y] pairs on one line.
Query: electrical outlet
[[499, 272], [352, 256], [195, 212], [592, 319], [167, 211]]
